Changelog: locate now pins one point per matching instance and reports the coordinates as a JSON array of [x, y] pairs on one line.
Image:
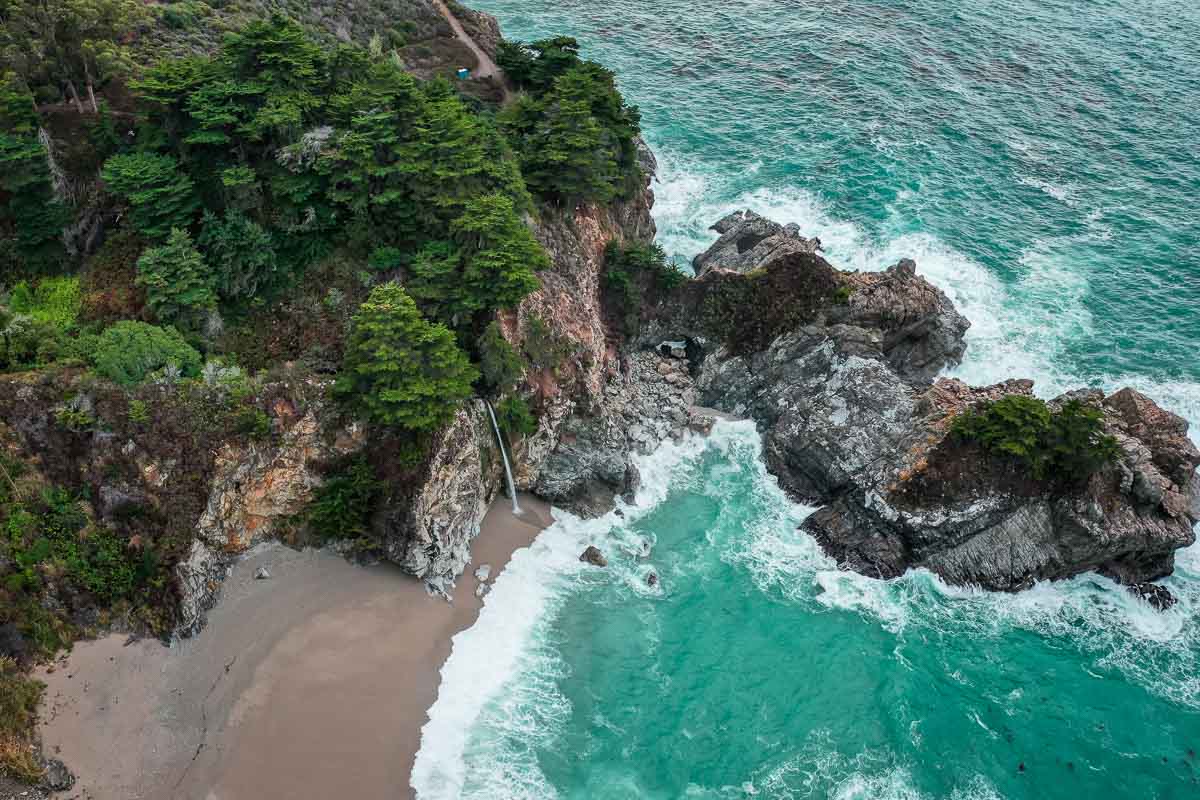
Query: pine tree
[[161, 197], [177, 282], [498, 360], [401, 369], [501, 255], [241, 253]]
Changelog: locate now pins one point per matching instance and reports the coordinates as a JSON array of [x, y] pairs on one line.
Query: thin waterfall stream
[[512, 489]]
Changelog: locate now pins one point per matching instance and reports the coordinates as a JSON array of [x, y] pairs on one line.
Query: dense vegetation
[[200, 201], [1065, 445], [631, 272], [575, 136]]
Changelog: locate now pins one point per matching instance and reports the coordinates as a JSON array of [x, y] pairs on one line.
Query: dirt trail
[[487, 68]]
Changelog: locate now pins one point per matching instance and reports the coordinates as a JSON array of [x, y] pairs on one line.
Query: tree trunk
[[75, 96], [91, 90]]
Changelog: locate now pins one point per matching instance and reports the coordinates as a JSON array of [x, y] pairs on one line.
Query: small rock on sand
[[484, 572]]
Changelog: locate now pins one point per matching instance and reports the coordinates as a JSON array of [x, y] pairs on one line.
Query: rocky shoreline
[[853, 420]]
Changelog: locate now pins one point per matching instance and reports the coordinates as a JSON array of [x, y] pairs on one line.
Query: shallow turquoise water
[[1039, 161]]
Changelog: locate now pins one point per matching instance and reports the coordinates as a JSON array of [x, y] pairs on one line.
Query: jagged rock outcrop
[[256, 485], [750, 241], [649, 401], [973, 517], [428, 532], [836, 367]]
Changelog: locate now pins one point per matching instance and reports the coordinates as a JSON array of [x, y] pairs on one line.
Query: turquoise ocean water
[[1041, 162]]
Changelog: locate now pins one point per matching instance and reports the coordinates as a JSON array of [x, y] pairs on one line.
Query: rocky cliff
[[836, 368]]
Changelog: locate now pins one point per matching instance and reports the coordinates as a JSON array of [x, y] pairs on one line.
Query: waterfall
[[512, 490]]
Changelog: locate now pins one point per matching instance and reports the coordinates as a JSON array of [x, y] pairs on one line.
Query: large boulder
[[750, 241], [973, 517]]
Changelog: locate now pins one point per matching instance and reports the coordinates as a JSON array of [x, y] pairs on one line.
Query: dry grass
[[19, 697]]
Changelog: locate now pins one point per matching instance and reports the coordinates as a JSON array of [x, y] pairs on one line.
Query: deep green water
[[1041, 162]]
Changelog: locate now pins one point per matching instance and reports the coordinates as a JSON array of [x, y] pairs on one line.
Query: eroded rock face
[[429, 533], [256, 485], [649, 401], [750, 241], [578, 458]]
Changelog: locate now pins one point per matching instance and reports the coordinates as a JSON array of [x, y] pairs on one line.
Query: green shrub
[[74, 419], [52, 300], [1068, 445], [514, 416], [177, 281], [139, 412], [630, 273], [341, 507], [400, 369], [252, 421], [542, 347], [128, 352], [26, 343]]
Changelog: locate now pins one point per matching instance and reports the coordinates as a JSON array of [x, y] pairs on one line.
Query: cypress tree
[[401, 369]]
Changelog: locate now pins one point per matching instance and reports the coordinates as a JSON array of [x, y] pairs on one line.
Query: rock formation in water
[[837, 368]]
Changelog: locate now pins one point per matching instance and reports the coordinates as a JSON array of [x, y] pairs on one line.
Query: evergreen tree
[[160, 196], [535, 66], [498, 361], [178, 283], [501, 255], [435, 282], [32, 213], [241, 253], [577, 140], [400, 369]]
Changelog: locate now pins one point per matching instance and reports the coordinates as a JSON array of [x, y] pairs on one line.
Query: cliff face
[[427, 527], [179, 476], [836, 369]]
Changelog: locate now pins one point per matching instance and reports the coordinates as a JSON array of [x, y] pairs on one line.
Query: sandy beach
[[305, 685]]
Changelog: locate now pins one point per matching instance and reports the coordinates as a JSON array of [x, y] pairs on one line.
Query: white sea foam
[[1018, 328], [820, 770]]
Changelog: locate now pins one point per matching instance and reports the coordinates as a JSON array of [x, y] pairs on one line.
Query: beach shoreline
[[317, 678]]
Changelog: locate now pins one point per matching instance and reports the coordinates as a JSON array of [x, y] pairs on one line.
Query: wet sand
[[312, 684]]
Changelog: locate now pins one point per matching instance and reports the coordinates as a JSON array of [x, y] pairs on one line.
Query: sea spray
[[516, 612], [512, 489]]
